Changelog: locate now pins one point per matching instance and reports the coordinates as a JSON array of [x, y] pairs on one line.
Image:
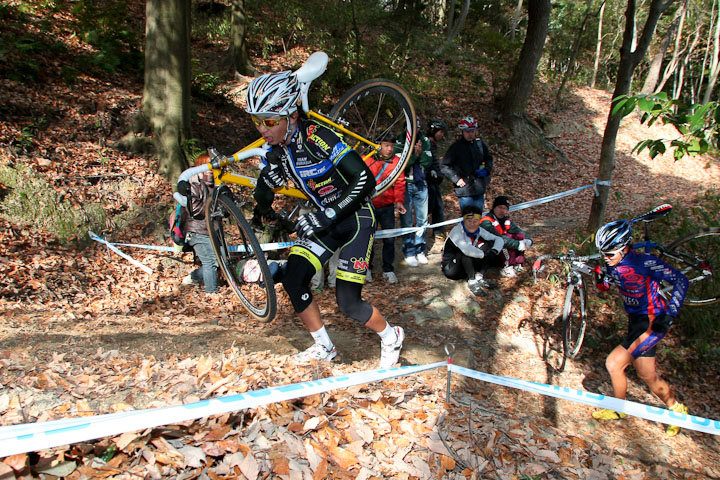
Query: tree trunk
[[518, 93], [671, 67], [573, 54], [239, 58], [598, 47], [653, 74], [453, 30], [629, 59], [714, 62], [166, 95], [516, 20]]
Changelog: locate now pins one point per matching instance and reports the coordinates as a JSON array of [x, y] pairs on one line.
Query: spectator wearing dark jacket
[[468, 164], [437, 129]]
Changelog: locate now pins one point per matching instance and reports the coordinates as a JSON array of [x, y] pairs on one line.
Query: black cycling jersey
[[323, 166]]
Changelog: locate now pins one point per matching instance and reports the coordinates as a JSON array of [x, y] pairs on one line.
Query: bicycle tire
[[234, 244], [701, 251], [574, 319], [372, 109]]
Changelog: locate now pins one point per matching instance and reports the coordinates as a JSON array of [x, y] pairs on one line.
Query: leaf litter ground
[[85, 333]]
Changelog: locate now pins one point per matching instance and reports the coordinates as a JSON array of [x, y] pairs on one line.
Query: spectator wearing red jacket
[[389, 202]]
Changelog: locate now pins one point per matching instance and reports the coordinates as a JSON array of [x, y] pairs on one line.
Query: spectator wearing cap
[[515, 241], [468, 164]]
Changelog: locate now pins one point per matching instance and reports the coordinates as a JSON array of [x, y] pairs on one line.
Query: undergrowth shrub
[[31, 200]]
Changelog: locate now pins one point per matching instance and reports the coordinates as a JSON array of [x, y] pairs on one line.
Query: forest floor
[[84, 332]]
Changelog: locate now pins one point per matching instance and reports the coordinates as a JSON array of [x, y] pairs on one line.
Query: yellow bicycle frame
[[225, 177]]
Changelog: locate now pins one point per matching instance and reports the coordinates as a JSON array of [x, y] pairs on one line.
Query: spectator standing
[[437, 129], [515, 241], [416, 201], [388, 203], [468, 164]]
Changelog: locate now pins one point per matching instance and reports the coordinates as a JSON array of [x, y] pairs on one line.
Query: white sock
[[321, 336], [388, 335]]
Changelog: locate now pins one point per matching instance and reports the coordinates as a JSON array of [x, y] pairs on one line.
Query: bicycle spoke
[[373, 109], [697, 256], [240, 257]]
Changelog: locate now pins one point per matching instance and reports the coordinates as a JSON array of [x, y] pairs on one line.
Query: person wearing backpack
[[196, 232]]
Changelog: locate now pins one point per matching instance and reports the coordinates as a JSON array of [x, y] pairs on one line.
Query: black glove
[[183, 188], [662, 323], [272, 176], [259, 214], [311, 224]]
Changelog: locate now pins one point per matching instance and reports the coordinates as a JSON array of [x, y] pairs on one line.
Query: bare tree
[[454, 28], [516, 19], [166, 94], [672, 66], [575, 48], [598, 46], [714, 61], [239, 57], [651, 79], [629, 59]]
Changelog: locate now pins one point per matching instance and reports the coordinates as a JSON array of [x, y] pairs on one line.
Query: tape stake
[[449, 350]]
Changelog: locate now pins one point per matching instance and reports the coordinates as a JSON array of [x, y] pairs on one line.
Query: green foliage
[[33, 200], [698, 125], [105, 25]]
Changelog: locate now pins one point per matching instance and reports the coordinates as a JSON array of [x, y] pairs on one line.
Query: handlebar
[[216, 161], [577, 262]]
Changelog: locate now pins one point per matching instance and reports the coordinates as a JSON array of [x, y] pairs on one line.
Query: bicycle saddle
[[313, 67]]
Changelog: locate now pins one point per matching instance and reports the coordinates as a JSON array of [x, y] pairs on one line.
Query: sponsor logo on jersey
[[338, 150], [325, 190]]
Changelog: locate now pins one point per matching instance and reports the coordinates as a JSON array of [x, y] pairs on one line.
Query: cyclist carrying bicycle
[[638, 276], [339, 183]]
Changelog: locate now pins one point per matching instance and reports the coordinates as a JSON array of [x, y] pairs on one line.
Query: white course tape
[[144, 268], [647, 412], [38, 436], [389, 233]]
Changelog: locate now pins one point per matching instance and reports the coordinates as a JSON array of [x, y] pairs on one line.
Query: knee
[[355, 308], [613, 365]]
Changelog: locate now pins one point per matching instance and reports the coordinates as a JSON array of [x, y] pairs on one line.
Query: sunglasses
[[611, 254], [267, 122], [471, 216]]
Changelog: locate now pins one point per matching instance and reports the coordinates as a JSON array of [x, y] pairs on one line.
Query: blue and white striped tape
[[389, 233], [647, 412], [23, 438]]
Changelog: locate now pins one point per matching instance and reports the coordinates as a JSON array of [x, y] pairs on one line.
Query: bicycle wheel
[[372, 109], [553, 347], [235, 245], [574, 320], [697, 256]]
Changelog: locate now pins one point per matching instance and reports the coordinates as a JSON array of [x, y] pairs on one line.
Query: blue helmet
[[613, 236]]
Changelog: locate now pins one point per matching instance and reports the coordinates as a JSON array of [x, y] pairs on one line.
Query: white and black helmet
[[613, 236], [273, 94]]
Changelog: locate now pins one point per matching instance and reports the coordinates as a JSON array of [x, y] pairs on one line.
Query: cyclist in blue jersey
[[638, 276], [339, 184]]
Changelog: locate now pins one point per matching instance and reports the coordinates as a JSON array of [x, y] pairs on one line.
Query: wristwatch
[[330, 213]]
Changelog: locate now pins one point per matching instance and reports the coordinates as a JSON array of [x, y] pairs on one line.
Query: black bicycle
[[696, 255]]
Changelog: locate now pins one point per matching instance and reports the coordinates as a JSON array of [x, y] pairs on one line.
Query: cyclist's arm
[[264, 197], [661, 271], [361, 183]]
